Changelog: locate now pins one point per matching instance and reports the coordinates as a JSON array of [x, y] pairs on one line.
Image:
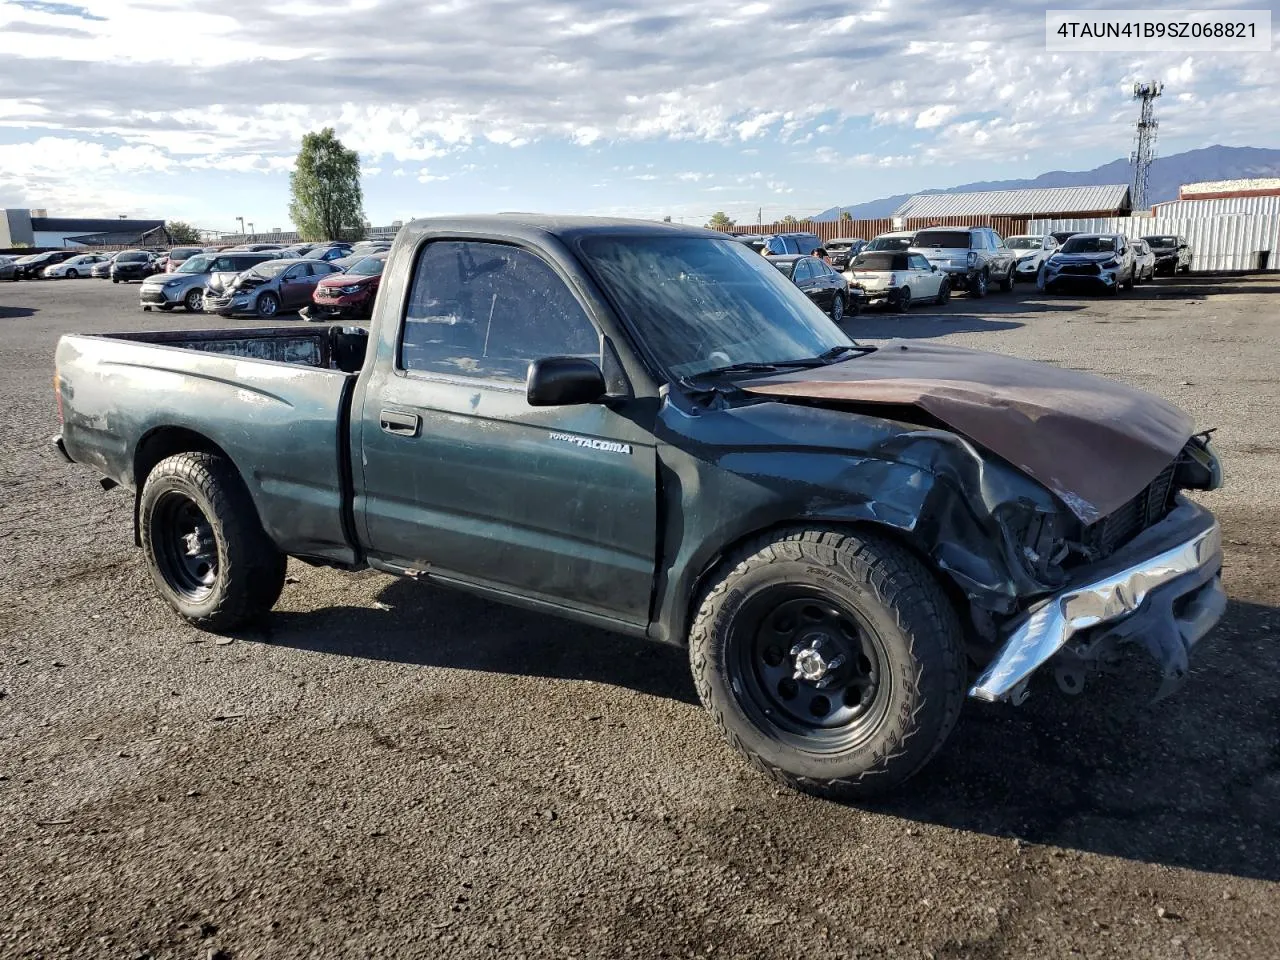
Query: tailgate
[[281, 424]]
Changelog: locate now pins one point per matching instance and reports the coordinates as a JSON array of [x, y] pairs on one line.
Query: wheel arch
[[678, 632], [160, 443]]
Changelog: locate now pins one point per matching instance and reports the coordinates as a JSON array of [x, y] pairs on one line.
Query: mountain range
[[1167, 175]]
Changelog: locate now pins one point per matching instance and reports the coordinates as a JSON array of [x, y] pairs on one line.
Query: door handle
[[400, 424]]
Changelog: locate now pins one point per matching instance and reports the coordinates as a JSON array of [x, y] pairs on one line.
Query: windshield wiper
[[827, 356], [757, 366]]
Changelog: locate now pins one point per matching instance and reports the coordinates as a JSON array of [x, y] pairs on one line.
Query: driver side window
[[480, 309]]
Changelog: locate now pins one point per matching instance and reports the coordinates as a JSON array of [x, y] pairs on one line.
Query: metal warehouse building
[[1111, 200], [34, 229]]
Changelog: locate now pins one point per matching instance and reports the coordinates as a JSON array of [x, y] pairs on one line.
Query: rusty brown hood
[[1095, 443]]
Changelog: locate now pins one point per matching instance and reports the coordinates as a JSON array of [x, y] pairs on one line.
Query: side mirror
[[563, 381], [1182, 246], [933, 267]]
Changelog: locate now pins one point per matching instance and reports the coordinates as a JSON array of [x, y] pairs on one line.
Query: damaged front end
[[1065, 530]]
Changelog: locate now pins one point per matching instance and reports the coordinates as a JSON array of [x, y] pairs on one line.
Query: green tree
[[326, 200], [720, 221], [789, 219], [181, 232], [846, 216]]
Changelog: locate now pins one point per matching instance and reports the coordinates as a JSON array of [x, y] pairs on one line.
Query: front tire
[[193, 302], [72, 274], [268, 305], [1006, 284], [944, 293], [115, 279], [831, 660], [206, 550]]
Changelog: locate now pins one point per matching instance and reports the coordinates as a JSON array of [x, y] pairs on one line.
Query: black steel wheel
[[206, 550], [810, 668], [831, 659], [185, 549]]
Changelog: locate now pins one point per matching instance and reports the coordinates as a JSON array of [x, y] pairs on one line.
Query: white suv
[[972, 257], [1029, 252]]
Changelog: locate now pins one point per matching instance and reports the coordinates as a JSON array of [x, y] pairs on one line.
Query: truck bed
[[274, 400]]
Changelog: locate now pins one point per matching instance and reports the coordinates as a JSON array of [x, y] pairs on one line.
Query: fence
[[1226, 242], [870, 229]]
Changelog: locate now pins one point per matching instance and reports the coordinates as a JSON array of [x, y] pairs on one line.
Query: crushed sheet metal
[[1095, 443]]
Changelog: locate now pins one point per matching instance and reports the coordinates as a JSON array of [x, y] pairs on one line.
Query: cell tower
[[1144, 140]]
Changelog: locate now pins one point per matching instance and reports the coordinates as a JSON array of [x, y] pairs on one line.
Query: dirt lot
[[391, 770]]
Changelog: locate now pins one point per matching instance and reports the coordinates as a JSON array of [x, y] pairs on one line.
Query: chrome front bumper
[[1163, 590]]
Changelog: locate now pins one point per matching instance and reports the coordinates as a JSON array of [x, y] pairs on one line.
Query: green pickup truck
[[647, 428]]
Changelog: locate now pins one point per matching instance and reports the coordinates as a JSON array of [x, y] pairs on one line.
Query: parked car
[[133, 265], [837, 532], [1091, 259], [842, 250], [898, 279], [348, 294], [1144, 261], [74, 267], [33, 265], [780, 244], [229, 265], [8, 268], [891, 242], [185, 287], [753, 240], [1173, 255], [269, 288], [179, 255], [1063, 235], [102, 270], [973, 257], [331, 252], [1030, 252], [824, 286]]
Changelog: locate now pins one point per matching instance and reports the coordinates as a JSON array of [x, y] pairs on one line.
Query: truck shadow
[[16, 313], [1192, 781], [436, 627]]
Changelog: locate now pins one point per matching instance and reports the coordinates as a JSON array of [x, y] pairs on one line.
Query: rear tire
[[891, 667], [837, 308], [206, 550], [902, 302], [978, 286], [115, 279], [72, 274]]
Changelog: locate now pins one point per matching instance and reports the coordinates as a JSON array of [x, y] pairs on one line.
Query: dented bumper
[[1162, 590]]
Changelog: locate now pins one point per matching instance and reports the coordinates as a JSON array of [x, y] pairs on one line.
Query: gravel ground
[[387, 769]]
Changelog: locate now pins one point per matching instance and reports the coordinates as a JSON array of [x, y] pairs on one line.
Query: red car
[[348, 295]]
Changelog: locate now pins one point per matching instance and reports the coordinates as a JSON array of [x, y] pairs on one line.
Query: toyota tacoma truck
[[647, 428]]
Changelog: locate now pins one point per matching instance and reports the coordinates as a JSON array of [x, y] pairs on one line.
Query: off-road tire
[[250, 571], [895, 593]]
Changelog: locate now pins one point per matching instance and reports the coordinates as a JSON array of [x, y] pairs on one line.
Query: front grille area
[[1112, 532], [151, 296], [1081, 269]]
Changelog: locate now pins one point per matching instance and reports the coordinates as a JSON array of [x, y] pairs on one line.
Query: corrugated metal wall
[[1185, 209], [870, 229], [1227, 242]]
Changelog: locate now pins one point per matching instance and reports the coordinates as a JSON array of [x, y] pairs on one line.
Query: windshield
[[698, 304], [1162, 241], [786, 267], [890, 243], [1024, 243], [135, 256], [368, 267], [195, 264], [270, 269], [1079, 244]]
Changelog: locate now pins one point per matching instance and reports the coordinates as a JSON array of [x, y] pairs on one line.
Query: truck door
[[462, 477]]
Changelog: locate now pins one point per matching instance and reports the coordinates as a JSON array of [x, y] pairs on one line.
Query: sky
[[646, 108]]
